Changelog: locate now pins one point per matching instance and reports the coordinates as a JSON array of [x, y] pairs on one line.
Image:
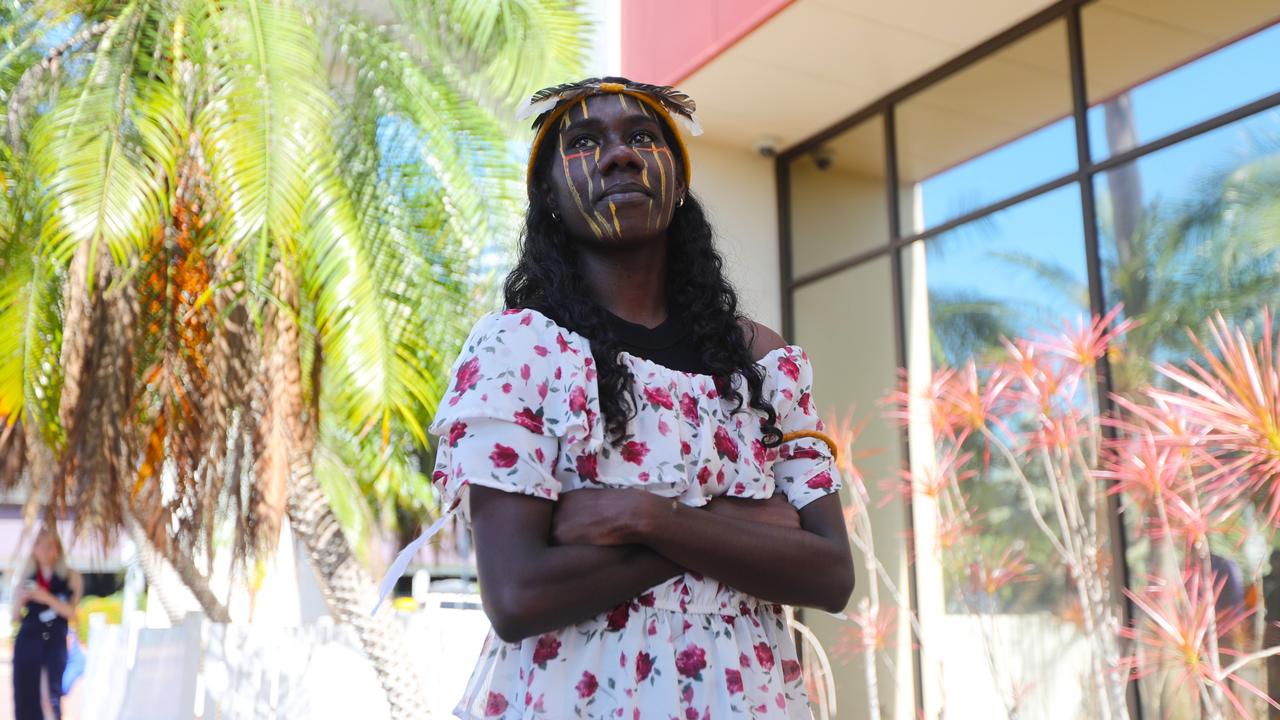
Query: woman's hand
[[773, 511], [40, 595], [600, 516]]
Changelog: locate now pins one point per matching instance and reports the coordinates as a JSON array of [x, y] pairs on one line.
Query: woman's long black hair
[[546, 278]]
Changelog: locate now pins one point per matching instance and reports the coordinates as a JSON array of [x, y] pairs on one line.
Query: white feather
[[529, 108]]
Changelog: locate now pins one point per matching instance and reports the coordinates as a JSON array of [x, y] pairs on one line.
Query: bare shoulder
[[761, 339]]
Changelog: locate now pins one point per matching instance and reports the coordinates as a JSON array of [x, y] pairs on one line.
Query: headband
[[673, 107]]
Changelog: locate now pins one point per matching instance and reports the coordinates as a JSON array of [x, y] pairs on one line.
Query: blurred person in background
[[45, 604]]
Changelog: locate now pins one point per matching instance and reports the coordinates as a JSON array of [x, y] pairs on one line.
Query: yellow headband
[[615, 88]]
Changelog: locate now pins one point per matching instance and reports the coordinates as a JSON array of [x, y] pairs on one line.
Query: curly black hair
[[546, 278]]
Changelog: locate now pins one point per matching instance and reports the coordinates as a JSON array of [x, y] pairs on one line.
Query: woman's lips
[[625, 196], [625, 193]]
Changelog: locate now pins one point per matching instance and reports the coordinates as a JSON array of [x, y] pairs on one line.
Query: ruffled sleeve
[[805, 468], [517, 390]]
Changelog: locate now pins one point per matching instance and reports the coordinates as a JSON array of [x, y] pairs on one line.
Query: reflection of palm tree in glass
[[1171, 264]]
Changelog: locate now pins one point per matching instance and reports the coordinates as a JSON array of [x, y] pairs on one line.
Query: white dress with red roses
[[523, 415]]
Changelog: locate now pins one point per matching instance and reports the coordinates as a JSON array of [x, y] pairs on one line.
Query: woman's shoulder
[[519, 365], [762, 340], [525, 329], [770, 350]]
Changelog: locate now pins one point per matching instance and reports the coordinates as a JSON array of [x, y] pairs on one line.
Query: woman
[[620, 433], [48, 593]]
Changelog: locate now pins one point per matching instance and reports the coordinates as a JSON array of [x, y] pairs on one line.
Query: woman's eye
[[644, 136], [582, 141]]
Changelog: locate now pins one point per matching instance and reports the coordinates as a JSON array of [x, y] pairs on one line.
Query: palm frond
[[499, 51], [364, 370], [268, 112], [462, 153], [30, 338], [101, 156], [97, 396]]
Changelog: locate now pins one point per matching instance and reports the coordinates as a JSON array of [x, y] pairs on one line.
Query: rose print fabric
[[522, 414]]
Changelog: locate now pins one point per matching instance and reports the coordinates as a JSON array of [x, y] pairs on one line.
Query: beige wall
[[738, 190]]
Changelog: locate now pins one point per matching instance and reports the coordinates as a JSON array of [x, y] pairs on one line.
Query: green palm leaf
[[458, 145], [268, 113], [103, 152], [499, 51]]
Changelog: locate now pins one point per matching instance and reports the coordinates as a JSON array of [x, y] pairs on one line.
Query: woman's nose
[[619, 155]]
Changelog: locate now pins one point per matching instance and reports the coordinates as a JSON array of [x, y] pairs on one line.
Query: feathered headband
[[547, 105]]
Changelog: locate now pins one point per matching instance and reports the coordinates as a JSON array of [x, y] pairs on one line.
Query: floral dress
[[523, 415]]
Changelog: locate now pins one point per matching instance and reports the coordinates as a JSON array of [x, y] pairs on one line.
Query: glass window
[[993, 645], [1035, 249], [991, 130], [1156, 66], [853, 363], [838, 202], [1187, 232]]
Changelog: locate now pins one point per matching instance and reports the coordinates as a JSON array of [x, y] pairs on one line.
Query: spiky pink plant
[[1178, 629], [1233, 394]]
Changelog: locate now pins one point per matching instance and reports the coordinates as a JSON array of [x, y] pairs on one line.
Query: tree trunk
[[157, 564], [350, 591], [291, 427], [1125, 186]]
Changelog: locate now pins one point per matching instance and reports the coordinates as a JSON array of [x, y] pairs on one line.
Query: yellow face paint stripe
[[616, 227], [586, 174], [577, 199], [644, 180], [662, 176]]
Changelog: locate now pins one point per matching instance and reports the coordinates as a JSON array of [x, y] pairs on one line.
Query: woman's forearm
[[563, 585], [811, 566], [530, 586]]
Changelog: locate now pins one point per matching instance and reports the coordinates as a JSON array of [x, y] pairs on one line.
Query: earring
[[554, 216], [681, 203]]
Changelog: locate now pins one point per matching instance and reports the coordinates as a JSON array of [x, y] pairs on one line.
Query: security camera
[[824, 157], [766, 146]]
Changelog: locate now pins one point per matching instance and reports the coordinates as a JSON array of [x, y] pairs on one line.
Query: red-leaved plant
[[1192, 457]]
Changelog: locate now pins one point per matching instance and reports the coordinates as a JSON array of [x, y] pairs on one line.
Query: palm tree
[[223, 261]]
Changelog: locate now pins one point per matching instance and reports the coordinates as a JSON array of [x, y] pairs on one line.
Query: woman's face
[[46, 549], [613, 177]]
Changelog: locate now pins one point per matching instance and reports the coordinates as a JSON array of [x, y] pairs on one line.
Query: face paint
[[585, 172]]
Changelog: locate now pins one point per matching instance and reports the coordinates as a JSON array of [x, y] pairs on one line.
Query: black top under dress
[[670, 344]]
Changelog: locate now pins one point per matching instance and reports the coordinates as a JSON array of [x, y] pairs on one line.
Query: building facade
[[898, 185]]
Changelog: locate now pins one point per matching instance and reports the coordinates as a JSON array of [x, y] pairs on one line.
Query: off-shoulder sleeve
[[517, 390], [805, 468]]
